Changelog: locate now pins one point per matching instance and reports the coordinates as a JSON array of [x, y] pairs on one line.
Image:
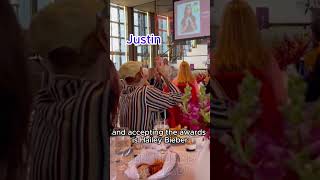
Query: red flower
[[290, 51]]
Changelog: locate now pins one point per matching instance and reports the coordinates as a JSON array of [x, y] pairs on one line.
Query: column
[[132, 50], [153, 29], [106, 12]]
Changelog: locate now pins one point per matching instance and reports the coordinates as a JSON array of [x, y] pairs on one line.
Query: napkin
[[202, 165], [148, 156]]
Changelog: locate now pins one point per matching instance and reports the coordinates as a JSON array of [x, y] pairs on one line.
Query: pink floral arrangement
[[290, 51], [196, 115], [258, 155]]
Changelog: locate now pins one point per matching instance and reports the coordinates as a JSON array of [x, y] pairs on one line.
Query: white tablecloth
[[192, 166]]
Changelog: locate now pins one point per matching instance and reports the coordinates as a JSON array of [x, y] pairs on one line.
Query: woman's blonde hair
[[239, 42], [185, 74]]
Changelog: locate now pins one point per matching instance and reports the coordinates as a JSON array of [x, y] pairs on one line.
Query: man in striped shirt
[[140, 104]]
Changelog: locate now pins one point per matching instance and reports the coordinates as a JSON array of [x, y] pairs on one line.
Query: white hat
[[130, 69]]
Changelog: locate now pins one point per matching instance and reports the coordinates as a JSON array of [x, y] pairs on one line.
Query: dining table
[[189, 165]]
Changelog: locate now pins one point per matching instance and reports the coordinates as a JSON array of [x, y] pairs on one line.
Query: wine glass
[[122, 145], [161, 125]]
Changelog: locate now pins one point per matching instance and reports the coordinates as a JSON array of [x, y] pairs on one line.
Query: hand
[[189, 21], [160, 72], [157, 75]]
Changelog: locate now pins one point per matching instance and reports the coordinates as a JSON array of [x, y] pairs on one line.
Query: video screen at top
[[192, 19]]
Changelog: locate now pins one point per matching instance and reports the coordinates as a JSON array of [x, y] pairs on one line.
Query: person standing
[[15, 104], [140, 104], [73, 115], [167, 69], [236, 55], [184, 79]]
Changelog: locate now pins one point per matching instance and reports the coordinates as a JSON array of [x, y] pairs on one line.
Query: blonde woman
[[183, 79], [240, 50]]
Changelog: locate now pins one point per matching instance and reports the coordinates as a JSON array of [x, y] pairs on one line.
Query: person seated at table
[[139, 103], [183, 79]]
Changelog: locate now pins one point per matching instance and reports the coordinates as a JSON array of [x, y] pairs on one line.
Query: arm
[[159, 100], [172, 87], [183, 24], [158, 84], [193, 23]]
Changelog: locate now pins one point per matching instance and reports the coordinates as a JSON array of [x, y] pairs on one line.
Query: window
[[141, 29], [118, 46], [163, 33]]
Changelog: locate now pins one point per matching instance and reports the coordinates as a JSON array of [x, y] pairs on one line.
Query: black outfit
[[313, 88], [152, 81]]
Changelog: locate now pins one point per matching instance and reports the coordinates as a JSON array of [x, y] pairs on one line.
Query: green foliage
[[205, 115], [241, 116], [247, 104], [293, 111], [298, 127], [302, 163], [306, 168], [203, 96], [186, 98]]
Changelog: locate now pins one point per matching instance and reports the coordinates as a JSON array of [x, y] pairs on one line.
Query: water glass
[[121, 146]]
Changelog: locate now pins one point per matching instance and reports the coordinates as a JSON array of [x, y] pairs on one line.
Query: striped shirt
[[140, 105], [69, 131]]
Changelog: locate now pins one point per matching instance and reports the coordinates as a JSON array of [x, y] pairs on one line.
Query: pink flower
[[193, 118], [195, 115]]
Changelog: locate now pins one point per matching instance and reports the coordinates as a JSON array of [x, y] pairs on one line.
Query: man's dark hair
[[63, 59], [91, 47]]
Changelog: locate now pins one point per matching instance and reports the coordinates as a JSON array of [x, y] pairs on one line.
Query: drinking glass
[[122, 146], [161, 125]]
